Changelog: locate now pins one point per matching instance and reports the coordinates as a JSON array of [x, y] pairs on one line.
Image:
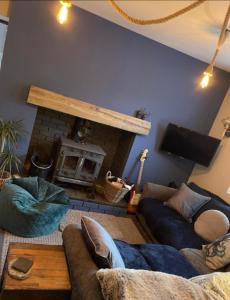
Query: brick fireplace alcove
[[61, 117], [50, 126]]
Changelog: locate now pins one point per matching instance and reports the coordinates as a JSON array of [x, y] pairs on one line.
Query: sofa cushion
[[155, 257], [217, 254], [100, 244], [197, 259], [211, 225], [167, 226], [186, 202], [215, 203], [178, 234], [157, 191]]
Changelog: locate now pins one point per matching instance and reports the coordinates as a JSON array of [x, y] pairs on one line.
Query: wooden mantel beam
[[84, 110]]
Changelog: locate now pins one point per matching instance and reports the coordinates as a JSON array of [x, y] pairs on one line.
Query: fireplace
[[86, 140], [78, 163], [53, 129]]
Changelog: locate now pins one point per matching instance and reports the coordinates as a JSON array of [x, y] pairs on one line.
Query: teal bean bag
[[32, 207]]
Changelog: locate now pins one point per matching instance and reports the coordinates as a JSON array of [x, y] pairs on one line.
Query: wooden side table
[[49, 278]]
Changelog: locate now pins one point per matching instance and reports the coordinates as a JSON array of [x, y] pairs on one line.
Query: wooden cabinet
[[49, 278]]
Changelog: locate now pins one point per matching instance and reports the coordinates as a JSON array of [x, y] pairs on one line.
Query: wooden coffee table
[[49, 278]]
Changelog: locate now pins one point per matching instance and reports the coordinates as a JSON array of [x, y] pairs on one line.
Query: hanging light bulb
[[63, 12], [208, 73]]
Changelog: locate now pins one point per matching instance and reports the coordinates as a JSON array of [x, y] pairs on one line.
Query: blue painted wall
[[102, 63]]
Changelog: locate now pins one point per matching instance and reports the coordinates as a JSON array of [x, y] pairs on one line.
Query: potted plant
[[10, 131]]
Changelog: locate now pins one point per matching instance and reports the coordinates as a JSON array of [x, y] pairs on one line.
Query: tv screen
[[189, 144]]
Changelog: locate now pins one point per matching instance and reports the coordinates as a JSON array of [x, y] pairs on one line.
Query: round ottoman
[[211, 225]]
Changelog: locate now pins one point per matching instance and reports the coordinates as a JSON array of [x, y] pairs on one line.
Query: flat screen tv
[[189, 144]]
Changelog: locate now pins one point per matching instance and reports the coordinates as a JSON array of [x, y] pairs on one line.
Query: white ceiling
[[194, 33]]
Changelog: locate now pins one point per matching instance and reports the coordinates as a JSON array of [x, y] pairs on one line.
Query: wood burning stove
[[78, 163]]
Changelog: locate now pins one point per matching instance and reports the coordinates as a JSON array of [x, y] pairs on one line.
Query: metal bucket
[[38, 168]]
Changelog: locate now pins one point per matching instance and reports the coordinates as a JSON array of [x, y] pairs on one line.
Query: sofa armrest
[[81, 265], [157, 191]]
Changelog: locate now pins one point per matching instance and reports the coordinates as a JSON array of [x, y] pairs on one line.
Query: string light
[[62, 18], [64, 11], [208, 73]]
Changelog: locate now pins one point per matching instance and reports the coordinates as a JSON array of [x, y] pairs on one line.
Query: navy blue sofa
[[170, 228]]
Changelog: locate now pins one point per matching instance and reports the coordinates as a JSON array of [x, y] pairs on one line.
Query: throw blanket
[[126, 284], [155, 257], [32, 207]]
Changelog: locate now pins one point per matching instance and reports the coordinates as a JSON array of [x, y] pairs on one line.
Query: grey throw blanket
[[126, 284]]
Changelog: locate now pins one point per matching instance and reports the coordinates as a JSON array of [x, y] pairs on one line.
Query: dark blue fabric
[[215, 203], [155, 257], [167, 226], [131, 256]]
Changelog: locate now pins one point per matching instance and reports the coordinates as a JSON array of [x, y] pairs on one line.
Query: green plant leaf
[[10, 132]]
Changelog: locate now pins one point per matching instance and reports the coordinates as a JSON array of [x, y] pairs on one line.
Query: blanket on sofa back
[[129, 284]]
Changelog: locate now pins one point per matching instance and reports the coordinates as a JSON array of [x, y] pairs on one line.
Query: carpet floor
[[121, 228]]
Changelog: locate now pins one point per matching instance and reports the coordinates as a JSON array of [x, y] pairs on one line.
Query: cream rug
[[119, 227]]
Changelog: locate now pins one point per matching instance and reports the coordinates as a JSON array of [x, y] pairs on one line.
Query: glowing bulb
[[206, 76], [63, 15], [205, 80], [63, 12]]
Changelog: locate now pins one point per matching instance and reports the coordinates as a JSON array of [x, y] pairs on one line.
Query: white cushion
[[211, 225]]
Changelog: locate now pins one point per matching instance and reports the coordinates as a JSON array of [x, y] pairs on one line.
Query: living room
[[94, 89]]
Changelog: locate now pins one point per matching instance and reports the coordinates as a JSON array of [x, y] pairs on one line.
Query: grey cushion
[[187, 202], [82, 268], [101, 245], [157, 191], [197, 259]]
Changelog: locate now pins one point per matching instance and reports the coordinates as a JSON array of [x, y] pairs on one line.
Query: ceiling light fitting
[[208, 73]]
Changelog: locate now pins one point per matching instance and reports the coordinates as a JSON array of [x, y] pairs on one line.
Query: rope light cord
[[223, 35], [138, 21]]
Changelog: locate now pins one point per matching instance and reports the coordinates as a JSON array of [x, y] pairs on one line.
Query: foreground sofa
[[83, 269], [168, 227]]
